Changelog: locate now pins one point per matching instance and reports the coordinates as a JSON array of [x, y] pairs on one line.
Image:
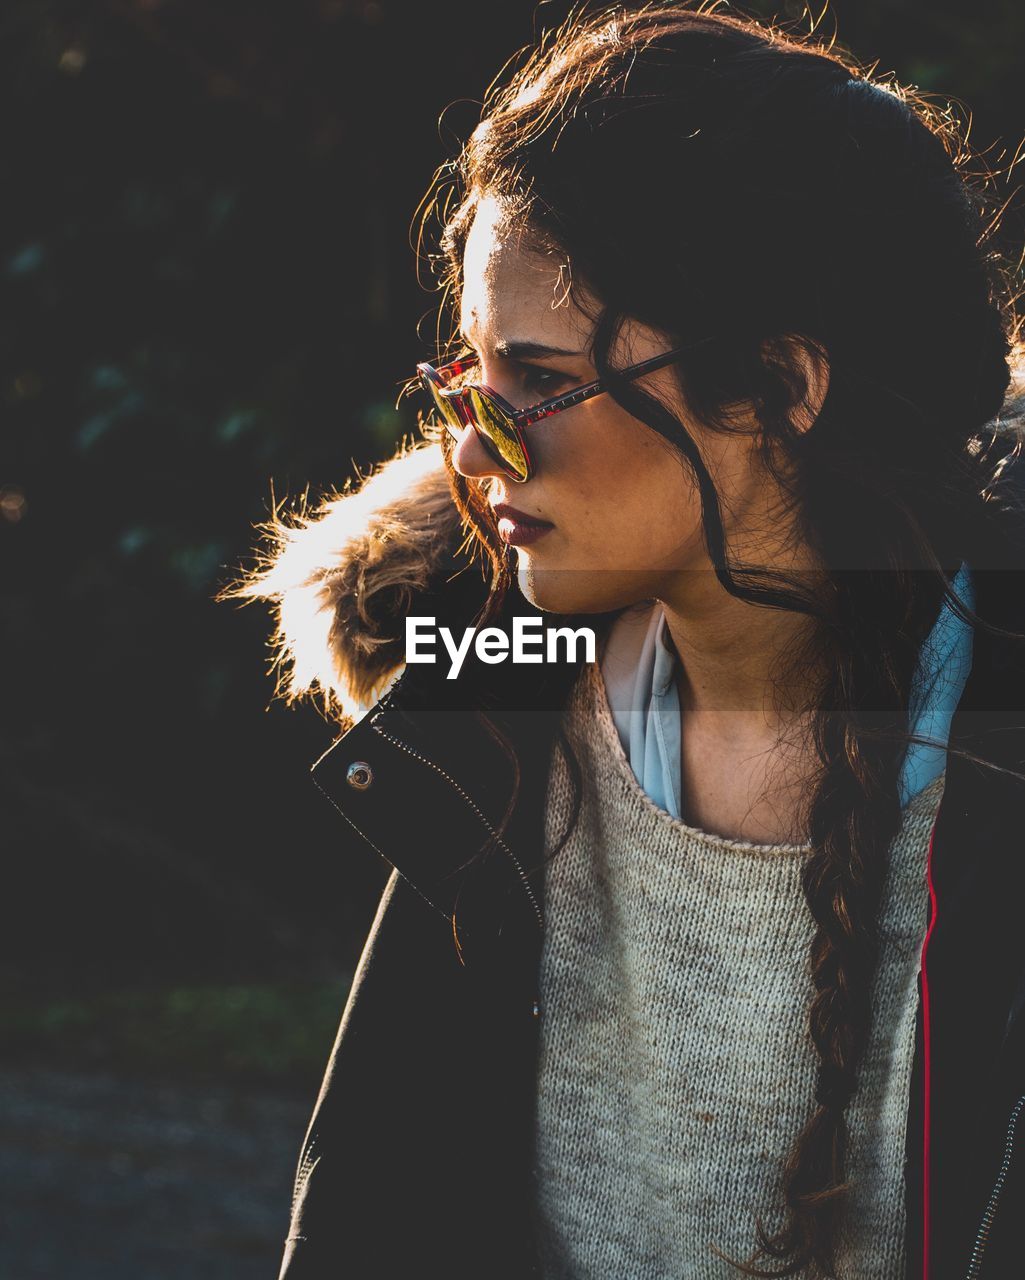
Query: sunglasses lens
[[497, 434], [447, 412]]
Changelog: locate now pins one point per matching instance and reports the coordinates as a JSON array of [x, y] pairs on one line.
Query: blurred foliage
[[212, 298], [278, 1034]]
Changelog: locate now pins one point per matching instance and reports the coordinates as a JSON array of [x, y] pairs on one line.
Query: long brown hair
[[723, 181]]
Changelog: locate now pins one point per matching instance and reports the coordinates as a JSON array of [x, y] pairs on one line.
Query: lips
[[504, 512], [517, 528]]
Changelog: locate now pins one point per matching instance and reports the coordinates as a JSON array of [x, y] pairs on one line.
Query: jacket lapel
[[425, 779]]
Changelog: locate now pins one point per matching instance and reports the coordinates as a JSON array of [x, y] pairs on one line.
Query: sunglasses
[[498, 425]]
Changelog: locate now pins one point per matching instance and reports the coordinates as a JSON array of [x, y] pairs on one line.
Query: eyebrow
[[514, 349]]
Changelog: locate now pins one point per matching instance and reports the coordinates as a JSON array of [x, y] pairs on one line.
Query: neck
[[733, 657]]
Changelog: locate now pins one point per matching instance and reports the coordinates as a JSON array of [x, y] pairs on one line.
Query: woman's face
[[623, 505]]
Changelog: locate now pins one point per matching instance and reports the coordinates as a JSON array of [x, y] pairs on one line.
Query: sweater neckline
[[924, 800]]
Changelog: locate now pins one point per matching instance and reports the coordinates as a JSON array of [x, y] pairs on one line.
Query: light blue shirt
[[638, 667]]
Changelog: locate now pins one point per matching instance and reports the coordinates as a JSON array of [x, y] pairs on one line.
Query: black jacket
[[418, 1156]]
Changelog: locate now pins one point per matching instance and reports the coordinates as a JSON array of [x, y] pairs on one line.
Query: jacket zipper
[[927, 1054], [417, 755], [982, 1236]]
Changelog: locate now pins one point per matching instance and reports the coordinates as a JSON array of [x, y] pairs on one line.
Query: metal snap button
[[359, 775]]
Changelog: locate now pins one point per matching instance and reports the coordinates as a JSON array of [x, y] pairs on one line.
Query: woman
[[701, 959]]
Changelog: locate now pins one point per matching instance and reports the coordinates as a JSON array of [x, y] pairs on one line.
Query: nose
[[471, 459]]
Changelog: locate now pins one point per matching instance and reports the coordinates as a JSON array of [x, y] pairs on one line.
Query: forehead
[[513, 290]]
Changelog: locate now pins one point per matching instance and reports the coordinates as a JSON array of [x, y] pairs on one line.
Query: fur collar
[[342, 577]]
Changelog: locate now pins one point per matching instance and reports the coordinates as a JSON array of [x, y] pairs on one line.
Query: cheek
[[633, 498]]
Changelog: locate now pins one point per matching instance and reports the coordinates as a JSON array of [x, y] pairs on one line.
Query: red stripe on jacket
[[927, 1053]]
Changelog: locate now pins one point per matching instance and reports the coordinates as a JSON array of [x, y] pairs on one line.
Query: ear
[[807, 360], [811, 360]]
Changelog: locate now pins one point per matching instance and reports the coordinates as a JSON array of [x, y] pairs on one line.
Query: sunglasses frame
[[521, 418]]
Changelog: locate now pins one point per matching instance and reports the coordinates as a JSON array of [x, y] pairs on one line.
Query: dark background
[[210, 297]]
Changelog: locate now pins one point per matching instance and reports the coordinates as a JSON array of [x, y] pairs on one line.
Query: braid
[[855, 812]]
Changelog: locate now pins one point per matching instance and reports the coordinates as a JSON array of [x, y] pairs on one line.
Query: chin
[[579, 590]]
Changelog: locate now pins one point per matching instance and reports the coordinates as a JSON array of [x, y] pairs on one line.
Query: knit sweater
[[675, 1067]]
